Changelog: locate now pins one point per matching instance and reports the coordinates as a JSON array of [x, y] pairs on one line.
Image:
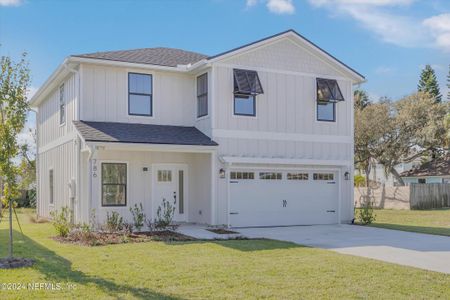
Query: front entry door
[[170, 184]]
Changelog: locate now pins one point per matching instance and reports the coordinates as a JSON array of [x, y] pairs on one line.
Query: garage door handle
[[234, 213], [331, 211], [331, 182], [234, 181]]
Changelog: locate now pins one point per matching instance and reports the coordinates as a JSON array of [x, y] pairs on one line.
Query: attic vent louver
[[328, 91], [246, 82]]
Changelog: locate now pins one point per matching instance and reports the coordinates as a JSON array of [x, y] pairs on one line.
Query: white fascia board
[[283, 161], [50, 83], [114, 63], [151, 147]]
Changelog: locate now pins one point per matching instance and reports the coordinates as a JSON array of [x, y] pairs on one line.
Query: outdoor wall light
[[222, 173], [347, 176]]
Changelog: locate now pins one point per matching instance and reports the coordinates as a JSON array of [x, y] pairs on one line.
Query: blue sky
[[388, 41]]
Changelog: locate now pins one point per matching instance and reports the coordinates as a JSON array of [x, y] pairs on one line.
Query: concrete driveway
[[429, 252]]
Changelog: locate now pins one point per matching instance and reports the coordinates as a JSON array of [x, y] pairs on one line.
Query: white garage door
[[279, 198]]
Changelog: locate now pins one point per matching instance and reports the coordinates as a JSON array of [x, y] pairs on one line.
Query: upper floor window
[[202, 95], [246, 87], [328, 94], [62, 106], [140, 100]]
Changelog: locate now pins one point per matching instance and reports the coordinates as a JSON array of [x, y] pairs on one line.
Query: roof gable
[[293, 49]]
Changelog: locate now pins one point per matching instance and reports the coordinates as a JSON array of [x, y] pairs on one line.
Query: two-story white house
[[260, 135]]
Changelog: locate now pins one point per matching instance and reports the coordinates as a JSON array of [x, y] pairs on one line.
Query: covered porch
[[128, 166]]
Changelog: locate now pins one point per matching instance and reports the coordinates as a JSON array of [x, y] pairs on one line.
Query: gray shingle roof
[[168, 57], [141, 133], [438, 167]]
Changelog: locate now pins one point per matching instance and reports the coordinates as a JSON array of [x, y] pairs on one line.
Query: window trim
[[62, 104], [244, 115], [141, 94], [101, 183], [204, 94], [325, 120]]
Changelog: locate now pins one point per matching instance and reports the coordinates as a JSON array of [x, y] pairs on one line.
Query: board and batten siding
[[105, 96], [61, 160], [288, 105], [48, 113], [139, 183]]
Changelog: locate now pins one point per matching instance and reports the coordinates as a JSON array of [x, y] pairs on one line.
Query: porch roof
[[114, 132]]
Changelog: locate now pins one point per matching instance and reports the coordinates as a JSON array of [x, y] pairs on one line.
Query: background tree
[[429, 84], [448, 84], [361, 99], [14, 81]]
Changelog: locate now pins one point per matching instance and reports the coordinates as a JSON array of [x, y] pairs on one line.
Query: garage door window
[[242, 175], [270, 176], [323, 176], [297, 176]]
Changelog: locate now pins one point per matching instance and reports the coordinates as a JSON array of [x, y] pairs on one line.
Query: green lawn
[[236, 269], [424, 221]]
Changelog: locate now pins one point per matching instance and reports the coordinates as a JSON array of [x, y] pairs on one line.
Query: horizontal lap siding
[[105, 96]]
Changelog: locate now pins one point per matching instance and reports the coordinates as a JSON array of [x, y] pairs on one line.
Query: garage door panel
[[283, 202]]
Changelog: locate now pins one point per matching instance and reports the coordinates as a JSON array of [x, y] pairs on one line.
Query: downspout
[[90, 156]]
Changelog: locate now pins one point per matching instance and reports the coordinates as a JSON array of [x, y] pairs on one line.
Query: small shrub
[[127, 228], [114, 222], [92, 219], [164, 215], [61, 221], [366, 214], [359, 181], [138, 216], [150, 224]]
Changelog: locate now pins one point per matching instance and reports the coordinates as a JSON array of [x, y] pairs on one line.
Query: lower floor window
[[114, 184]]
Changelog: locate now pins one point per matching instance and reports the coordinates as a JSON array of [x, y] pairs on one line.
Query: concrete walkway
[[200, 232], [429, 252]]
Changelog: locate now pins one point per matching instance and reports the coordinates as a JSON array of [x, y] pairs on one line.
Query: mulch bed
[[105, 238], [222, 231], [15, 262]]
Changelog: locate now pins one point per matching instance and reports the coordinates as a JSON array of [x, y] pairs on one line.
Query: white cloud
[[10, 2], [281, 6], [392, 27], [251, 3], [278, 7], [439, 27]]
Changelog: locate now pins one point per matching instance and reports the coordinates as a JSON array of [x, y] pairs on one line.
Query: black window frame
[[244, 96], [421, 180], [141, 94], [199, 115], [326, 103], [120, 184]]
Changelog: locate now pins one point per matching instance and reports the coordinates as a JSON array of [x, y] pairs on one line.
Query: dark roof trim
[[282, 33]]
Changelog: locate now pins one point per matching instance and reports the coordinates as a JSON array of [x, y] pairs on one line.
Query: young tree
[[428, 83], [14, 81]]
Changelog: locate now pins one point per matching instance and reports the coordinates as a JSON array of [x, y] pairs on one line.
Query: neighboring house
[[434, 171], [378, 175], [259, 135]]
